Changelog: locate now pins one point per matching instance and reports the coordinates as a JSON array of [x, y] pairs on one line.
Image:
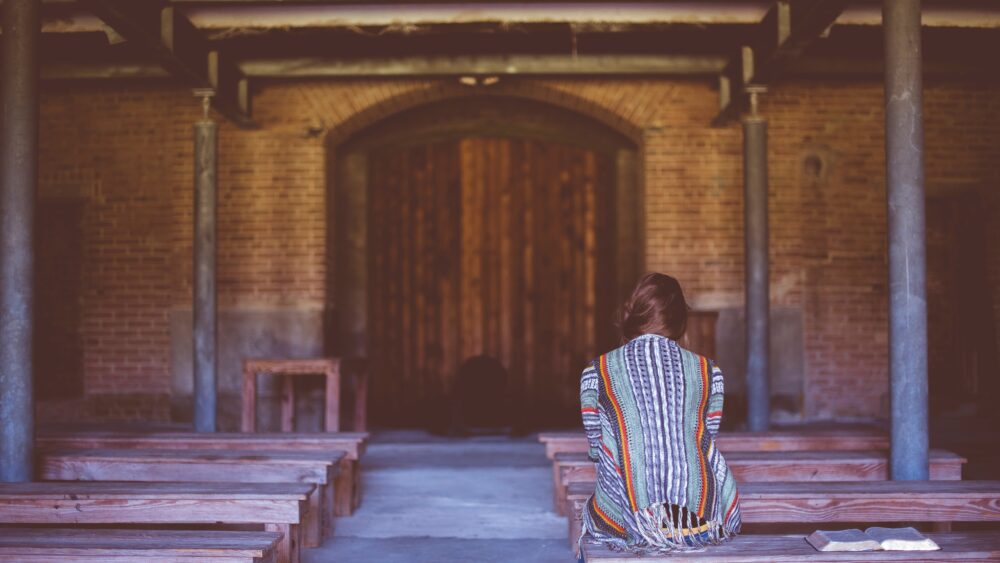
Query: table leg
[[248, 420], [287, 404], [332, 421]]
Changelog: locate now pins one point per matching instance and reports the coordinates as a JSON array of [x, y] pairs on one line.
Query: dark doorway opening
[[58, 355], [962, 355]]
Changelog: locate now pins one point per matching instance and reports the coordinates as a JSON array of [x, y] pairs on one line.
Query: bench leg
[[575, 526], [248, 419], [313, 524], [559, 492], [329, 509], [344, 488], [288, 546]]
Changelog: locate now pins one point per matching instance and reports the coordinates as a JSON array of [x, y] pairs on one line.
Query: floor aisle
[[433, 500]]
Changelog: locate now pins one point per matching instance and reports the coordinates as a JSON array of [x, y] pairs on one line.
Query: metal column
[[19, 169], [904, 148], [757, 286], [205, 145]]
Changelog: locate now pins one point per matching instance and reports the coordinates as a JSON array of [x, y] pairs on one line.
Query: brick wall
[[126, 150]]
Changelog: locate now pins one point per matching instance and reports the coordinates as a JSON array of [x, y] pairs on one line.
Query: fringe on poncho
[[651, 411]]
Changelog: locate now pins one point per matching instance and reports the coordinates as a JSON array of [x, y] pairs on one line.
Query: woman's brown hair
[[657, 306]]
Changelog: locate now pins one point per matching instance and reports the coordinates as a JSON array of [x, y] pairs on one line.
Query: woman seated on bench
[[651, 411]]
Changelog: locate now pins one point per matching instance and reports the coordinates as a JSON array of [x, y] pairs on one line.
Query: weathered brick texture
[[127, 150]]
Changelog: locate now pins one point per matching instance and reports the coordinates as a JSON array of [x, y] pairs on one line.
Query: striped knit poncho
[[651, 410]]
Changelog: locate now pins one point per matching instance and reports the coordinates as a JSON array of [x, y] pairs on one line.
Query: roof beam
[[552, 65], [180, 47], [784, 33]]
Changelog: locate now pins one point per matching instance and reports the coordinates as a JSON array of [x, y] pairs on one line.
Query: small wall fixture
[[478, 80]]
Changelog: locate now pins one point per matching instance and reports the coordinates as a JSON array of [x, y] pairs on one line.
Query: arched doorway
[[481, 226]]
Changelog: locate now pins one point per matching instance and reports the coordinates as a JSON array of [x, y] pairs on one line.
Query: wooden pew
[[279, 507], [44, 545], [770, 441], [221, 466], [346, 488], [780, 466], [869, 501], [955, 546]]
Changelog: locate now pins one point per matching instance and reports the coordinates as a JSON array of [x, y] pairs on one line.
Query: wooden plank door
[[487, 246]]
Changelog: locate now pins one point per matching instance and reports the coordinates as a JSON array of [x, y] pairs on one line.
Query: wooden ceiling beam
[[175, 43], [487, 65], [784, 33]]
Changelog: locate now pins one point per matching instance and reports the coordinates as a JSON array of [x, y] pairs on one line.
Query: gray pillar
[[904, 148], [205, 144], [19, 169], [757, 287]]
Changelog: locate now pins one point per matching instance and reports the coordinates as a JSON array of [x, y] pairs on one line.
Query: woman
[[651, 410]]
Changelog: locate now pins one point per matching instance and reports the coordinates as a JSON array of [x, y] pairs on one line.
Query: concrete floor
[[429, 499]]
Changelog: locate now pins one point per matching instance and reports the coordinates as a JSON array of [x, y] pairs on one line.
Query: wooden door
[[495, 246]]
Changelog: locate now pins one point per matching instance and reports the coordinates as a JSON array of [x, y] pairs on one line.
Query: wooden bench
[[870, 501], [770, 441], [222, 466], [347, 489], [44, 545], [955, 546], [279, 507], [779, 466]]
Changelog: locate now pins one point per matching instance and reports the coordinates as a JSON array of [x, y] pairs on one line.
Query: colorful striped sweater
[[651, 410]]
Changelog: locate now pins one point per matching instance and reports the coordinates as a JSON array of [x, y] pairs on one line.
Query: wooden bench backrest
[[352, 443], [873, 501], [188, 465], [778, 440], [793, 466]]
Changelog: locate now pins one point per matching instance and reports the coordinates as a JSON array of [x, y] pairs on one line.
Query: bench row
[[820, 502], [288, 483]]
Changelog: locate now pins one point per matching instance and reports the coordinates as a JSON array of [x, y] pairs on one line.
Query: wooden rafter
[[175, 43], [783, 34]]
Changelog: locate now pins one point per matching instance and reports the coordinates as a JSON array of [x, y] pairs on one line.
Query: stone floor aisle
[[433, 500]]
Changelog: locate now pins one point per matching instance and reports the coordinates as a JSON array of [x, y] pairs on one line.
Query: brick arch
[[442, 91]]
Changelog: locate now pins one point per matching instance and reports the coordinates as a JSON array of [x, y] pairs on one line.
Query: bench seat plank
[[347, 488], [955, 546], [279, 507], [769, 441], [154, 546], [244, 466]]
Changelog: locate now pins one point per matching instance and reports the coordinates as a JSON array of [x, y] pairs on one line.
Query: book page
[[842, 540], [901, 539]]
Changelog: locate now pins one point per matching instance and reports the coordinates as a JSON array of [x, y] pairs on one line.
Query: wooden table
[[286, 370]]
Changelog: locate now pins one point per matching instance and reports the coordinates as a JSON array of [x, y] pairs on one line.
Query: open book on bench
[[872, 539]]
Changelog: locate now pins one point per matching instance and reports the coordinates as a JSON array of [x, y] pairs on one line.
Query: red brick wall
[[127, 149]]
